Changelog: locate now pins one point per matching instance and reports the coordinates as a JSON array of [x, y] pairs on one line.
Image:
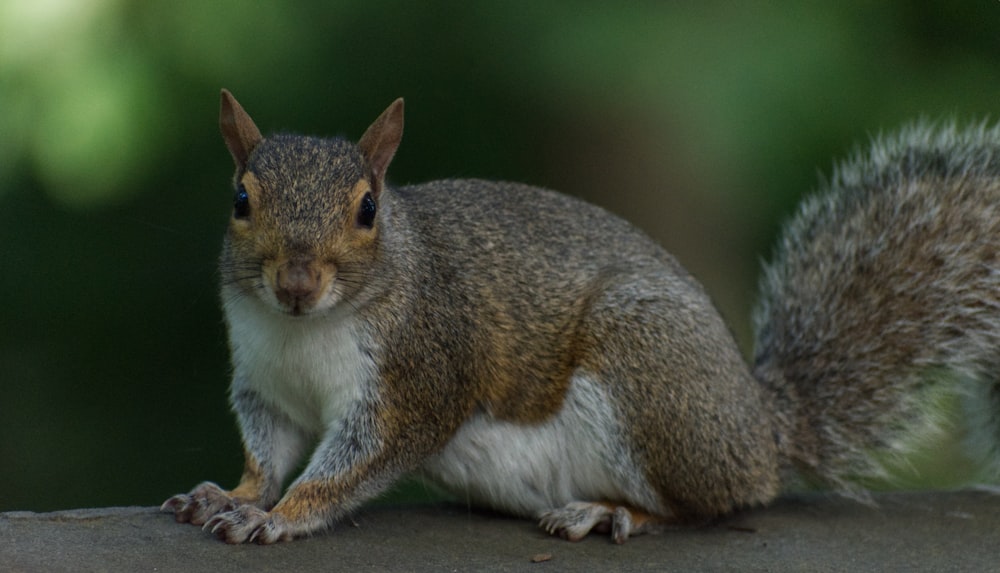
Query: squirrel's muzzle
[[298, 285]]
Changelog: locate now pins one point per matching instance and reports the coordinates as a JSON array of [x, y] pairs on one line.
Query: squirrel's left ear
[[239, 131], [380, 141]]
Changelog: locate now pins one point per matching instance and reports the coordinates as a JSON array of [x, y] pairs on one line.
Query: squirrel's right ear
[[380, 141], [239, 131]]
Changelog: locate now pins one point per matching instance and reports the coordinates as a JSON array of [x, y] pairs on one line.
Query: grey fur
[[884, 293]]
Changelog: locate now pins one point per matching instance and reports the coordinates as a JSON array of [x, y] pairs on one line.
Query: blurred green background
[[702, 122]]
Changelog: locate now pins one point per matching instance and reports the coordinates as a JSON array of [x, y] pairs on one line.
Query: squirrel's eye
[[241, 203], [366, 213]]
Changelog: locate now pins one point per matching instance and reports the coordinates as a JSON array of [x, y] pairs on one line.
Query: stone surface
[[938, 532]]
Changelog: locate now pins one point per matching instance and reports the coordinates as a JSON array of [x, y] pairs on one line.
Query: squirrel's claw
[[574, 521], [248, 524]]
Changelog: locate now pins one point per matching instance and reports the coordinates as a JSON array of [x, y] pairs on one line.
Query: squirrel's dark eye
[[241, 203], [366, 213]]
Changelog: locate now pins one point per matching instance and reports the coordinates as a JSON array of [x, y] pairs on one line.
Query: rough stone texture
[[938, 532]]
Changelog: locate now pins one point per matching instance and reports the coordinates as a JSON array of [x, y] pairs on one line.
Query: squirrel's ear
[[380, 141], [239, 131]]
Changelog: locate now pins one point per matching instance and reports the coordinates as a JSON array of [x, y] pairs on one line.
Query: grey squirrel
[[539, 356]]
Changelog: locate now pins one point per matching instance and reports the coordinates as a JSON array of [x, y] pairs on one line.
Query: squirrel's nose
[[297, 284]]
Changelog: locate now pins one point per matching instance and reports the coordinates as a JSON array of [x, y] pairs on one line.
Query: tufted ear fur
[[239, 131], [380, 141]]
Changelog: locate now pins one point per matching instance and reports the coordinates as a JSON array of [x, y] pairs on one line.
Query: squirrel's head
[[306, 211]]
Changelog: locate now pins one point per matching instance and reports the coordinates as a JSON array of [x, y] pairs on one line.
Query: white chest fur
[[575, 456], [312, 369]]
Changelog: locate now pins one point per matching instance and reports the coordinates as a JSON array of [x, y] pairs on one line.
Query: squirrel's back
[[879, 322]]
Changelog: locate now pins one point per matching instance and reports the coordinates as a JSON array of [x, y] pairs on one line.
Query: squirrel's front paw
[[200, 504], [248, 523]]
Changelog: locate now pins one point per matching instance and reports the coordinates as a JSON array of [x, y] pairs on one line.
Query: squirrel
[[539, 356]]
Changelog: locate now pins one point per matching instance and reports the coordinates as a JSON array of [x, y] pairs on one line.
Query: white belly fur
[[528, 469], [311, 369]]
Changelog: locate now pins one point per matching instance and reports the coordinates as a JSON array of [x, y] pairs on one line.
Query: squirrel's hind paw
[[574, 521]]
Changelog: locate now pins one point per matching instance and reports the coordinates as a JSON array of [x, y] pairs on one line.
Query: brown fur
[[251, 483]]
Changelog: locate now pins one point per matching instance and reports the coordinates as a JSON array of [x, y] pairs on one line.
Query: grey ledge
[[940, 531]]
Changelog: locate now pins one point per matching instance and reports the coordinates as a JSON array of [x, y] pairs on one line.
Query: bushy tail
[[878, 328]]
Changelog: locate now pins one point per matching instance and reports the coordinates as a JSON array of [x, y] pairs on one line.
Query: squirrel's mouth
[[296, 310], [312, 304], [301, 308]]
